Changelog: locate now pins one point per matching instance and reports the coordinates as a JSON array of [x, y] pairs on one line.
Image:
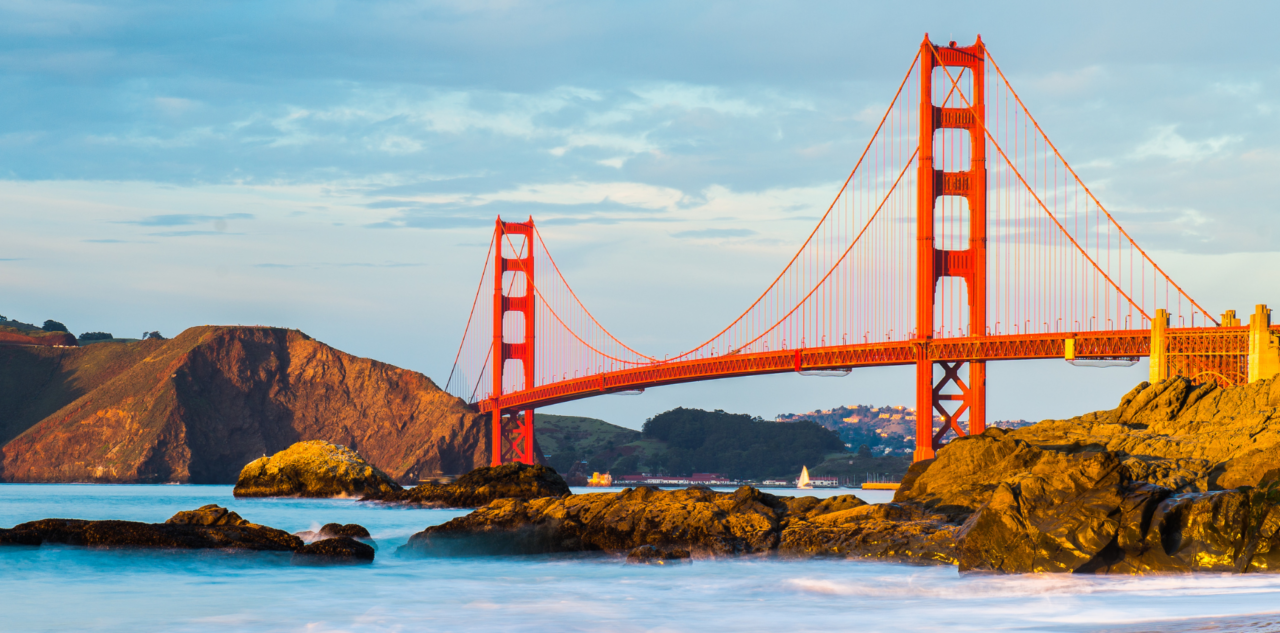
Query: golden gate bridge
[[961, 236]]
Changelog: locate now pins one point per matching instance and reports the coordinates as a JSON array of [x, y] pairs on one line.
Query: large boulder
[[339, 550], [481, 486], [313, 469]]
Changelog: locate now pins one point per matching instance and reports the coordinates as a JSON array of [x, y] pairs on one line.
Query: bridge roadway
[[1087, 346]]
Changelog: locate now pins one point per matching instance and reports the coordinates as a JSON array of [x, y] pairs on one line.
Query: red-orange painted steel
[[1097, 345], [516, 436], [934, 263]]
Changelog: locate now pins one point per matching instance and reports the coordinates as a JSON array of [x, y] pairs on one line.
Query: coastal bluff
[[1178, 478], [199, 407]]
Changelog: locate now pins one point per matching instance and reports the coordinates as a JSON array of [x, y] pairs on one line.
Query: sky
[[336, 167]]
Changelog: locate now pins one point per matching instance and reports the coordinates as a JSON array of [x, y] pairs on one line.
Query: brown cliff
[[198, 407]]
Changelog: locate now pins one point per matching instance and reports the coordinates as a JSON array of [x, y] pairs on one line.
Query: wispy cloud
[[186, 219], [714, 233], [1168, 143]]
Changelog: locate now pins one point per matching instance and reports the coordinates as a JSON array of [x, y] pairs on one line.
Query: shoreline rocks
[[314, 468], [1178, 478], [481, 486]]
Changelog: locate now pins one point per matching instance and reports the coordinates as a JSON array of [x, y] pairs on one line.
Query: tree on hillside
[[54, 326], [738, 445]]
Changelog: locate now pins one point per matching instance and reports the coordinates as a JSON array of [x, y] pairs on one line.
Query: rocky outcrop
[[1178, 478], [314, 468], [209, 527], [481, 486], [1141, 488], [699, 521], [211, 514], [198, 407], [341, 550]]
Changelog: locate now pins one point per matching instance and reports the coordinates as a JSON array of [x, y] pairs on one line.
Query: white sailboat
[[803, 482]]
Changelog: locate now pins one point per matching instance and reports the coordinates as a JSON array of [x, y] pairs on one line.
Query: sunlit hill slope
[[197, 408]]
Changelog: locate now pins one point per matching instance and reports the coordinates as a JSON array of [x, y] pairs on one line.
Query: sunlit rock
[[313, 469]]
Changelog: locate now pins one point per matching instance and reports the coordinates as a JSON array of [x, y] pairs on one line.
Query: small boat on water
[[881, 485], [803, 482]]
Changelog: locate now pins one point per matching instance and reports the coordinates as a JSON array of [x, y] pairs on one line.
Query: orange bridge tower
[[936, 181], [513, 433]]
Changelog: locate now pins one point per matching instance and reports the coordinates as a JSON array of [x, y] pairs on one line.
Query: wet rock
[[703, 522], [883, 531], [211, 514], [335, 530], [650, 555], [482, 486], [341, 550], [313, 469], [1178, 478], [132, 534]]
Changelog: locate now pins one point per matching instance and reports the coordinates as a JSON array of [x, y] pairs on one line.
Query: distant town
[[884, 430]]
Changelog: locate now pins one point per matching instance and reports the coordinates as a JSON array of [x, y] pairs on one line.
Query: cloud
[[185, 219], [342, 265], [190, 233], [1167, 143], [714, 233]]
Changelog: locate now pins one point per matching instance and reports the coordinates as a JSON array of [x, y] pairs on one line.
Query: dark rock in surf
[[132, 534], [335, 530], [482, 486], [650, 555], [211, 514], [341, 550]]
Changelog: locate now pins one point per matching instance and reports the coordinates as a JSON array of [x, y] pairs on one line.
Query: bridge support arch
[[933, 263]]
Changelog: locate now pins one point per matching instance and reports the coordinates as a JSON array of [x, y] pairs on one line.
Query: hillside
[[567, 439], [196, 408]]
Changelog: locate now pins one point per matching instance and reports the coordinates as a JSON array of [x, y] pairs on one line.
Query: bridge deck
[[1088, 345]]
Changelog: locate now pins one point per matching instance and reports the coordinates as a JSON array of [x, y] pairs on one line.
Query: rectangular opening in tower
[[513, 378], [513, 327], [951, 223], [952, 149], [513, 283], [944, 95], [951, 309]]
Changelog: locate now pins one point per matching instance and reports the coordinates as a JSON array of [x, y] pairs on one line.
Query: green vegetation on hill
[[738, 445], [685, 441], [566, 439], [858, 468]]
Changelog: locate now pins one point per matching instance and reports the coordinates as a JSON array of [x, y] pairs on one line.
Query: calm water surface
[[55, 588]]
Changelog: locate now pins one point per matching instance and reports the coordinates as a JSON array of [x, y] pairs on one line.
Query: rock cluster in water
[[1179, 477], [314, 468], [481, 486], [208, 527]]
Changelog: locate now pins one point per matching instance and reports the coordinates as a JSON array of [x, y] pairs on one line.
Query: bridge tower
[[512, 432], [934, 263]]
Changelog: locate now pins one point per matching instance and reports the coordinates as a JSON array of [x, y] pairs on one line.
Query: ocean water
[[56, 588]]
